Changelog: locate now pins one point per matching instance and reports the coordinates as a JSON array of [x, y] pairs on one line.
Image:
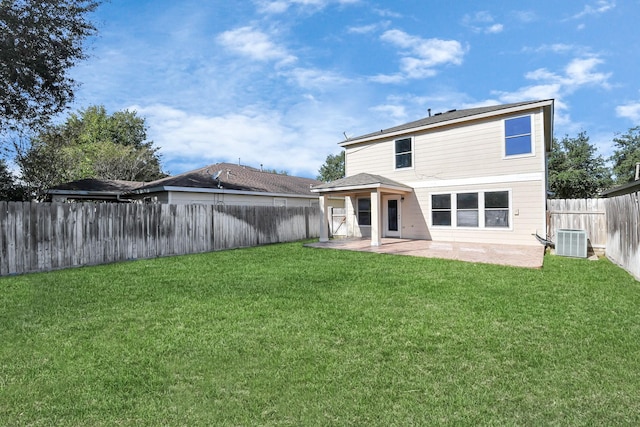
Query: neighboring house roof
[[622, 189], [229, 177], [454, 116], [362, 181], [91, 188]]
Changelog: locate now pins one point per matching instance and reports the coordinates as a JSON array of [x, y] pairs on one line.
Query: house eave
[[506, 111], [363, 188]]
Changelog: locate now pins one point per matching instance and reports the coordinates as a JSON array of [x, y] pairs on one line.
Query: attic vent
[[571, 243]]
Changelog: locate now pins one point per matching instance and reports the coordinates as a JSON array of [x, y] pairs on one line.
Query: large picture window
[[364, 211], [404, 153], [483, 209], [517, 132]]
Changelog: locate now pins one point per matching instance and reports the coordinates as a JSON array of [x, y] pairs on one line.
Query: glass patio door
[[391, 217]]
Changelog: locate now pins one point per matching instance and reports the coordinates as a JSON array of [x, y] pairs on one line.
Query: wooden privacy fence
[[623, 232], [579, 214], [47, 236]]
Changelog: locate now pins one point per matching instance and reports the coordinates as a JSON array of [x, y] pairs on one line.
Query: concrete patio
[[511, 255]]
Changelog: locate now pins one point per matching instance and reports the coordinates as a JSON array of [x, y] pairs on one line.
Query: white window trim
[[481, 210], [413, 153], [504, 139]]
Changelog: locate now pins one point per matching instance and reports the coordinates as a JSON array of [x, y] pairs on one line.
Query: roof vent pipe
[[429, 110], [637, 171]]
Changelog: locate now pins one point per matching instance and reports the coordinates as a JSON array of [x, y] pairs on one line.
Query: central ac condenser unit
[[572, 243]]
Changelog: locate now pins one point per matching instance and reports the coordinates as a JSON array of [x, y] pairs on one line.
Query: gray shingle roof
[[234, 177], [441, 117]]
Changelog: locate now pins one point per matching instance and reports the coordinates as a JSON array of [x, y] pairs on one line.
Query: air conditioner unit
[[572, 243]]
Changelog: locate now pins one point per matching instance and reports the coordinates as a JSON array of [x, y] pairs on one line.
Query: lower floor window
[[496, 209], [489, 208], [364, 211]]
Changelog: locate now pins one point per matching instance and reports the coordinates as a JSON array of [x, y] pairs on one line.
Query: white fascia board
[[359, 188], [222, 191], [506, 111]]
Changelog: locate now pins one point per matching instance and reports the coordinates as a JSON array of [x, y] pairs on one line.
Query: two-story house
[[474, 175]]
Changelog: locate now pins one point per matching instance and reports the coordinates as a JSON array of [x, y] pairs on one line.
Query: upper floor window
[[517, 134], [404, 153]]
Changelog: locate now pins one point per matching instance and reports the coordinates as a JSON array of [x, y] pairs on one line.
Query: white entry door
[[391, 216]]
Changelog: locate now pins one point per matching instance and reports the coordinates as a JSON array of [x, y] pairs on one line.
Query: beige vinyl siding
[[460, 151], [462, 158], [527, 215]]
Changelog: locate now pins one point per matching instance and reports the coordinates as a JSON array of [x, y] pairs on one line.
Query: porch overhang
[[361, 183], [374, 185]]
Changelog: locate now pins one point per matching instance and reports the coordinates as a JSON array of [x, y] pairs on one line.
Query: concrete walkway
[[511, 255]]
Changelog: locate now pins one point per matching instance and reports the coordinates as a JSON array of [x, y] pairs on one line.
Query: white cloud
[[525, 16], [309, 78], [576, 74], [482, 22], [367, 29], [297, 140], [601, 6], [396, 111], [629, 111], [579, 72], [273, 7], [554, 48], [420, 56], [255, 44]]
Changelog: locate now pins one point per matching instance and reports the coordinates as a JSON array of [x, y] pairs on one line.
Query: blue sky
[[277, 82]]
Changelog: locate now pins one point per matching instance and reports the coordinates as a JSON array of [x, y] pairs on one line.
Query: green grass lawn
[[287, 335]]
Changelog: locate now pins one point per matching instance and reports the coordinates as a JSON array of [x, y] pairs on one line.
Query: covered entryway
[[373, 206]]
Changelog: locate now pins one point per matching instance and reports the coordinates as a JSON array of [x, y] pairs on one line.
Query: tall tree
[[575, 171], [626, 155], [40, 40], [333, 168], [7, 182], [91, 144]]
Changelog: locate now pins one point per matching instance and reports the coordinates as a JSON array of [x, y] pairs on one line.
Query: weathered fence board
[[45, 236], [579, 214], [623, 232]]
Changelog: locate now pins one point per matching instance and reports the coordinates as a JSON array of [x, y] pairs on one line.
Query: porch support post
[[324, 219], [376, 219]]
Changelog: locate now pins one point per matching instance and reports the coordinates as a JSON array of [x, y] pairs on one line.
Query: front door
[[391, 216]]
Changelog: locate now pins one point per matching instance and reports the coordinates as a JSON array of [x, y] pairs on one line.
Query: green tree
[[575, 171], [39, 42], [90, 144], [333, 168], [9, 189], [626, 155]]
